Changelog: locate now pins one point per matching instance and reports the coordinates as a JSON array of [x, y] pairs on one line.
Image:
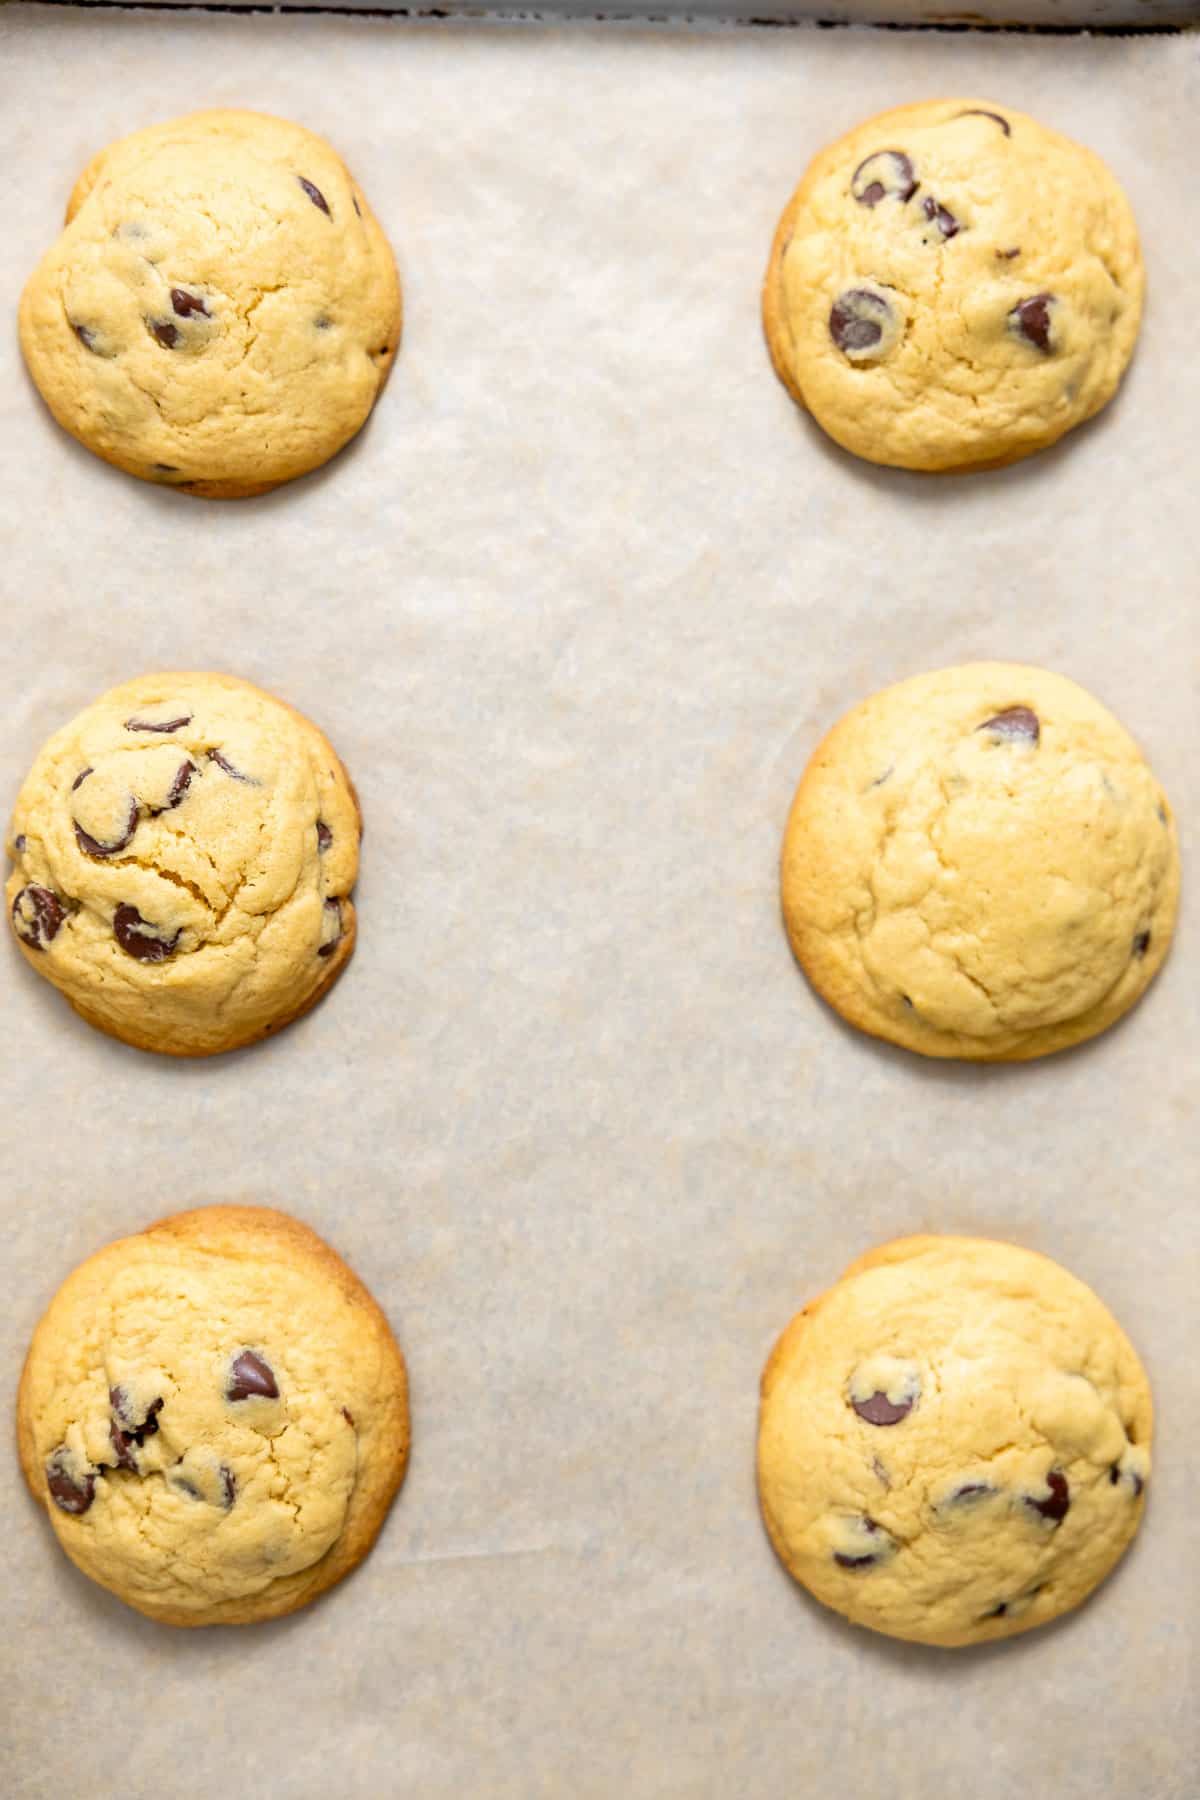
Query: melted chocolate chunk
[[81, 778], [941, 216], [1141, 943], [884, 174], [981, 112], [224, 763], [86, 336], [67, 1493], [1018, 724], [166, 333], [324, 835], [138, 937], [315, 195], [185, 304], [123, 1446], [250, 1378], [93, 847], [170, 725], [879, 1410], [37, 914], [228, 1486], [1030, 319], [857, 322], [1057, 1505], [328, 948], [178, 788]]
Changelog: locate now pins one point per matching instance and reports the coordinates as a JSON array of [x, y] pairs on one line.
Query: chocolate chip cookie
[[954, 1441], [979, 863], [222, 308], [184, 853], [214, 1414], [953, 286]]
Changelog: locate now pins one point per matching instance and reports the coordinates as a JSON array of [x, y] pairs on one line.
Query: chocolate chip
[[862, 324], [879, 1410], [908, 1002], [228, 1485], [357, 207], [347, 1415], [331, 944], [1056, 1507], [137, 936], [86, 336], [942, 217], [167, 468], [223, 762], [323, 322], [981, 112], [250, 1378], [178, 788], [166, 333], [124, 1445], [1030, 319], [148, 725], [886, 776], [37, 914], [1016, 724], [970, 1491], [186, 304], [997, 1612], [71, 1495], [126, 1415], [315, 195], [1141, 943], [1007, 255], [324, 835], [93, 847], [884, 173], [185, 1486], [80, 778], [874, 1553], [19, 842]]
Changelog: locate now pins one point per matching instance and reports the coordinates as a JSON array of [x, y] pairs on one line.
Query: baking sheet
[[575, 609]]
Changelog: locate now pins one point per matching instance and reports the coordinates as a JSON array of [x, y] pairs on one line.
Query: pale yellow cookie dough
[[954, 1441], [953, 286], [184, 853], [979, 863], [214, 1414], [222, 309]]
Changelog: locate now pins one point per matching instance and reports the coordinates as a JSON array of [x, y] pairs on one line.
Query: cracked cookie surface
[[184, 853], [952, 286], [954, 1441], [979, 863], [222, 308], [214, 1415]]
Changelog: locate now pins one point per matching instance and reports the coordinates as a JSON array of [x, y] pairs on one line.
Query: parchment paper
[[575, 609]]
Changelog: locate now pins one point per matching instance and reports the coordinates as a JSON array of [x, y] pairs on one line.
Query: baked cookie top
[[954, 1441], [952, 285], [979, 863], [222, 308], [184, 853], [214, 1415]]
